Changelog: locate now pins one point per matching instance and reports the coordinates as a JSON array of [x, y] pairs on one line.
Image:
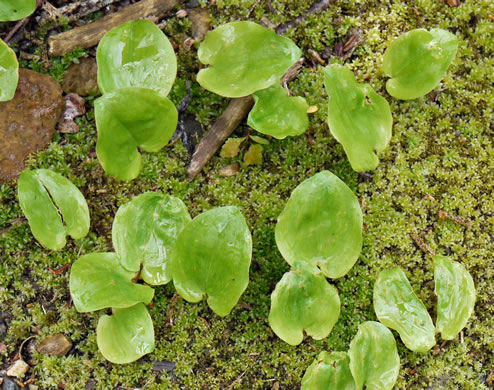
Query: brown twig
[[314, 8], [422, 244], [89, 35], [455, 218]]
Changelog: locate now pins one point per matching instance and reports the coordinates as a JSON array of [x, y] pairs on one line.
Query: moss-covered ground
[[440, 159]]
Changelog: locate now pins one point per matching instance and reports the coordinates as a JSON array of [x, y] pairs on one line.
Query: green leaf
[[303, 300], [322, 225], [136, 54], [253, 156], [9, 72], [277, 114], [259, 140], [329, 372], [397, 307], [45, 197], [244, 57], [212, 256], [231, 148], [126, 119], [417, 61], [127, 335], [358, 117], [97, 280], [456, 293], [11, 10], [374, 360], [144, 233]]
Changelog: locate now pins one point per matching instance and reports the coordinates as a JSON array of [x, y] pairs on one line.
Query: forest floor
[[433, 188]]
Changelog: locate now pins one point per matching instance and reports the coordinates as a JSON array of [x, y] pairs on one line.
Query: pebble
[[55, 345], [18, 369]]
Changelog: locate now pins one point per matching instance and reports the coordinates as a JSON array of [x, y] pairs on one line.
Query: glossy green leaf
[[97, 280], [126, 335], [417, 61], [136, 54], [397, 307], [11, 10], [126, 119], [144, 233], [303, 300], [45, 197], [212, 257], [456, 293], [244, 57], [277, 114], [329, 372], [321, 224], [358, 117], [9, 72], [374, 359]]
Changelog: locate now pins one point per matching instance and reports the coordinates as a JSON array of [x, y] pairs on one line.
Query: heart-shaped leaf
[[45, 197], [144, 233], [358, 117], [277, 114], [303, 300], [9, 75], [212, 257], [126, 119], [329, 372], [374, 359], [97, 280], [11, 10], [397, 307], [456, 293], [417, 61], [322, 225], [136, 54], [244, 57], [127, 335]]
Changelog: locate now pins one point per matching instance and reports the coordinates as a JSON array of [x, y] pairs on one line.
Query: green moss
[[440, 158]]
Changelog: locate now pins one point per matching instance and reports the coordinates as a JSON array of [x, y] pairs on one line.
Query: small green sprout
[[244, 57], [136, 68], [11, 10], [277, 114], [126, 335], [212, 257], [397, 307], [358, 117], [45, 197], [144, 233], [98, 281], [136, 54], [456, 293], [150, 124], [9, 72], [322, 225], [303, 300], [417, 61], [329, 372], [374, 359]]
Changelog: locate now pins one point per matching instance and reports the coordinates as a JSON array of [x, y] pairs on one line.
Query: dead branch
[[89, 35]]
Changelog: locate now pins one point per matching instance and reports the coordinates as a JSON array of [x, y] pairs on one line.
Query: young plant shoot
[[374, 360], [11, 10], [212, 257], [456, 293], [144, 234], [9, 72], [45, 197], [358, 117], [397, 307], [136, 68], [244, 57], [321, 224], [329, 372], [417, 61], [303, 300], [277, 114]]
